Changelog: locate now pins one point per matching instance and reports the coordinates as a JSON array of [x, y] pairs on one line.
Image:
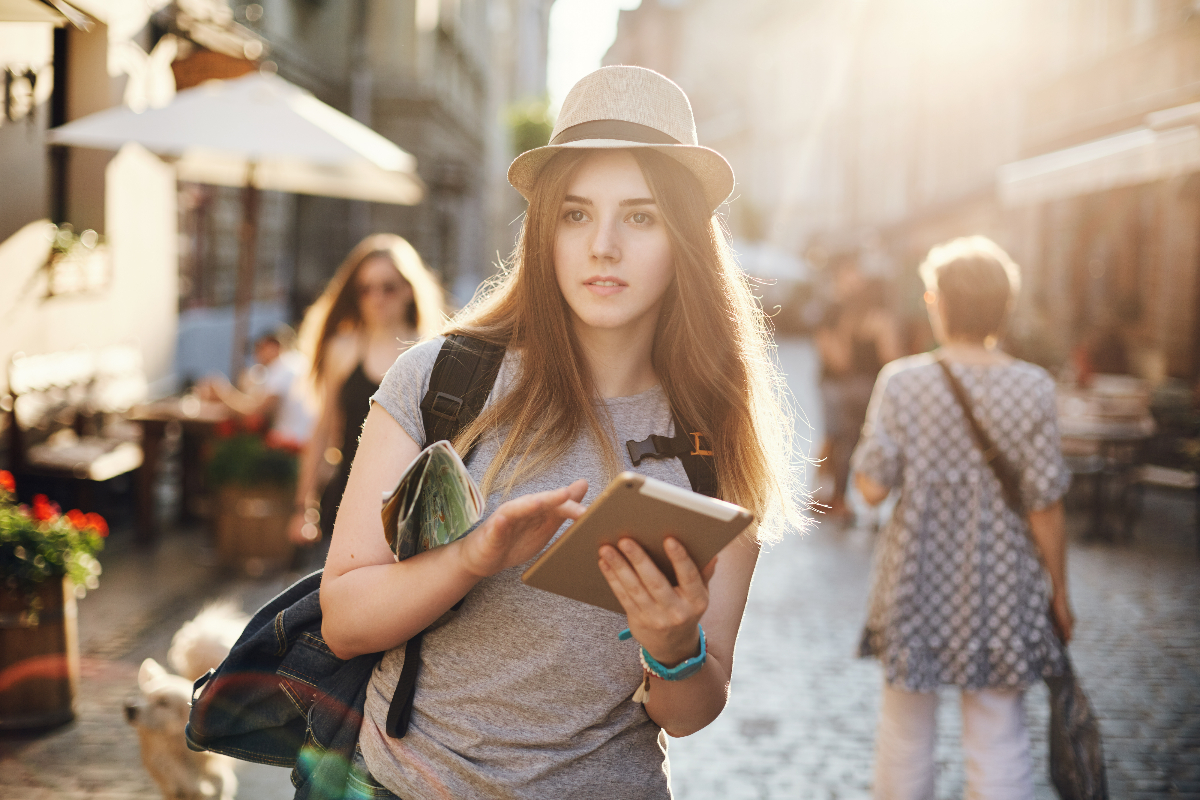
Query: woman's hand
[[663, 618], [1061, 616], [519, 529]]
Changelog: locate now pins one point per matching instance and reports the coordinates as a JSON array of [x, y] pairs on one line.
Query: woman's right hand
[[1062, 617], [519, 529]]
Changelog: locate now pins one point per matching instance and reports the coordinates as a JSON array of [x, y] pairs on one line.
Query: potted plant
[[254, 476], [47, 560]]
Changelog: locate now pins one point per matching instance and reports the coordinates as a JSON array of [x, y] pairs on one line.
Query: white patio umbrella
[[258, 132], [29, 11]]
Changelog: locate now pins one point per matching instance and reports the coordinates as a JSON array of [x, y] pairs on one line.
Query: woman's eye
[[640, 218], [575, 215]]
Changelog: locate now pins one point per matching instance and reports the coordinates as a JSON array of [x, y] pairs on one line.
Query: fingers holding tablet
[[662, 617]]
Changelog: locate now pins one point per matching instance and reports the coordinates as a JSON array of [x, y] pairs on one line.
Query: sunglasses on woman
[[387, 289]]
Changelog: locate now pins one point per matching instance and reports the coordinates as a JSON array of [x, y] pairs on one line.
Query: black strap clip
[[654, 446]]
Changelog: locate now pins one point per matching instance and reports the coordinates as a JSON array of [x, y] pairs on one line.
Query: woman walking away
[[381, 300], [621, 307], [969, 585]]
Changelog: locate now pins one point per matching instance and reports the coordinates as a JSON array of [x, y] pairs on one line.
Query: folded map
[[435, 502]]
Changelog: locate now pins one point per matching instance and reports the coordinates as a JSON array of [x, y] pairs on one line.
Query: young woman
[[622, 305], [379, 301], [966, 589]]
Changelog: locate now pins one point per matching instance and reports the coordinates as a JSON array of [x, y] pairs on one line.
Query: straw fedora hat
[[627, 107]]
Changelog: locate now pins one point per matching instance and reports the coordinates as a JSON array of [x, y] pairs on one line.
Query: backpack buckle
[[653, 446], [445, 406]]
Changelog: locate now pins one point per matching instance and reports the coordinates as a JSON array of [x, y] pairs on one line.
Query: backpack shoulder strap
[[695, 451], [462, 378]]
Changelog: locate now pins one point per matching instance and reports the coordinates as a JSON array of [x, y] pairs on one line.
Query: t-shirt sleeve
[[1045, 476], [404, 386], [280, 376], [879, 454]]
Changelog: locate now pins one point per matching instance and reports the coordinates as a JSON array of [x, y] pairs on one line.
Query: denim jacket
[[283, 698]]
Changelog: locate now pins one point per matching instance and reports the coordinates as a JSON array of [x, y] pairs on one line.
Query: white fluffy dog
[[160, 712]]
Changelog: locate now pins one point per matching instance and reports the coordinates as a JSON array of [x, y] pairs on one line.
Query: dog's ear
[[150, 671]]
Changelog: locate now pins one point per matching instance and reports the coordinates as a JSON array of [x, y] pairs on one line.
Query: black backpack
[[281, 697]]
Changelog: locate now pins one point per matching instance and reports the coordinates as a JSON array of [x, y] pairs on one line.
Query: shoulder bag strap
[[462, 378], [1010, 483]]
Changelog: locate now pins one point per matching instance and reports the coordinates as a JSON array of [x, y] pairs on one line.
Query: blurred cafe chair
[[66, 415]]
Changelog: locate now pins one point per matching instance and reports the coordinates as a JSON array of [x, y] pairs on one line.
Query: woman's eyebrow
[[573, 198], [637, 201]]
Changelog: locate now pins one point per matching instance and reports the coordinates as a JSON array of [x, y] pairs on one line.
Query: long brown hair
[[711, 351], [336, 310]]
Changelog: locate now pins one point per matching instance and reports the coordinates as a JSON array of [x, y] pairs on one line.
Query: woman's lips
[[605, 285]]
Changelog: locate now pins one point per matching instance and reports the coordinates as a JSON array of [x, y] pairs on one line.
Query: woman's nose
[[605, 242]]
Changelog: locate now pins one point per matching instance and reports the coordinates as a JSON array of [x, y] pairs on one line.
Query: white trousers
[[995, 745]]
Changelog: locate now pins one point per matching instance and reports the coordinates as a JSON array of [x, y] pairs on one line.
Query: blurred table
[[1103, 429], [196, 419]]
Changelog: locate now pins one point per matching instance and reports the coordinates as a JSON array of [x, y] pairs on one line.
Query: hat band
[[617, 129]]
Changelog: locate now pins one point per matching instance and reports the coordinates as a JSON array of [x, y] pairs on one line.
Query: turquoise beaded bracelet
[[678, 672]]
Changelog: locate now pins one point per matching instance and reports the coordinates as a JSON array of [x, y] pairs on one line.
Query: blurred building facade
[[62, 294], [434, 76], [1064, 129]]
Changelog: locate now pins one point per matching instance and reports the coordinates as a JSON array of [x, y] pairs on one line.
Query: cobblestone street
[[801, 720]]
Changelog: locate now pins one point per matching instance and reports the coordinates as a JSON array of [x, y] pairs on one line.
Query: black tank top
[[355, 402]]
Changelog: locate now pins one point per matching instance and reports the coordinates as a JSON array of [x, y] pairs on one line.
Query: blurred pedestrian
[[274, 391], [967, 590], [622, 312], [380, 301], [856, 337]]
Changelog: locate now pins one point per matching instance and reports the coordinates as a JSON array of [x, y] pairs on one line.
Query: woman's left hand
[[663, 618]]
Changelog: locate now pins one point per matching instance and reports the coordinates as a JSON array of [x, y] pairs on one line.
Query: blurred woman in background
[[969, 576], [381, 300]]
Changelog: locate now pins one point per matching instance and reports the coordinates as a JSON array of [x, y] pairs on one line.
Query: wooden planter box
[[39, 664], [251, 525]]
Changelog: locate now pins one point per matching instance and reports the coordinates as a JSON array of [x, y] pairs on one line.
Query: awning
[[29, 11], [1138, 156]]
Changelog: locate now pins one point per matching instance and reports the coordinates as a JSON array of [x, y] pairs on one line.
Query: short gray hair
[[977, 283]]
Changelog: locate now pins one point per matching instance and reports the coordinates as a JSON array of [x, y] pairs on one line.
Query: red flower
[[7, 483], [43, 509], [225, 428], [77, 518], [254, 423], [96, 521]]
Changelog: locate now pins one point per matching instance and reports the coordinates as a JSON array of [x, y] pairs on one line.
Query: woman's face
[[612, 256], [383, 294]]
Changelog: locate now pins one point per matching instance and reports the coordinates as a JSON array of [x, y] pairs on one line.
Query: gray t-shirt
[[522, 693]]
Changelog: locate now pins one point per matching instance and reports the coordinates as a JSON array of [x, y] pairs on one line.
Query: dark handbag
[[1076, 753]]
